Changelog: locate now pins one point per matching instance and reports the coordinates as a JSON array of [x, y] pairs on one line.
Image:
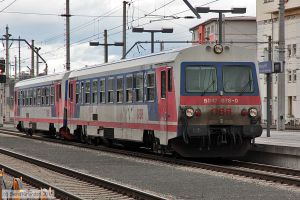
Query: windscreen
[[237, 79], [201, 79]]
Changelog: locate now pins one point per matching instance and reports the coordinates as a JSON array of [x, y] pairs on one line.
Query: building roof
[[238, 18]]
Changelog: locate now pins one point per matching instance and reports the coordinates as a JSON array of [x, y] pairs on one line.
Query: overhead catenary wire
[[8, 6]]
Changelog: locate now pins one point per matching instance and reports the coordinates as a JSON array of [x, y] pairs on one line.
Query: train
[[198, 101]]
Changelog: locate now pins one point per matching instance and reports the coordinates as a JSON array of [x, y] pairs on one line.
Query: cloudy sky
[[40, 20]]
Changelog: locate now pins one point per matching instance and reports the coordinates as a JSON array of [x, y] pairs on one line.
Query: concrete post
[[281, 76]]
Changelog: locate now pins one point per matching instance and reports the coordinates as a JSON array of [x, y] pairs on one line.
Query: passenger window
[[129, 86], [82, 92], [43, 95], [170, 85], [38, 96], [47, 91], [77, 93], [110, 89], [23, 101], [163, 84], [52, 95], [95, 92], [102, 91], [34, 97], [139, 89], [19, 93], [30, 97], [150, 86], [120, 91], [88, 92], [25, 96]]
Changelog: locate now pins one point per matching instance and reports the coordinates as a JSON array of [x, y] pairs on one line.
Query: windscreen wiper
[[203, 93], [245, 87]]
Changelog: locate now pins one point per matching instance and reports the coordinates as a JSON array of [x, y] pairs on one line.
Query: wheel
[[97, 141], [83, 138], [29, 132]]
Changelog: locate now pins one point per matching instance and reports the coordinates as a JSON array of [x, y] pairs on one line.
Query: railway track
[[66, 183], [245, 169]]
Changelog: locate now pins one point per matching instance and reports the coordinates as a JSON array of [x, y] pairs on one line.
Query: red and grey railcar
[[201, 101]]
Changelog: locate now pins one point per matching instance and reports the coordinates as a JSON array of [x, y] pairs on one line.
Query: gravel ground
[[173, 181]]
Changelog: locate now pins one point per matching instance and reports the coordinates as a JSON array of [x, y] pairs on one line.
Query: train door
[[58, 104], [72, 98], [164, 88]]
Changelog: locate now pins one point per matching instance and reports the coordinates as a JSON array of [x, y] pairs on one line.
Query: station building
[[236, 30], [267, 25]]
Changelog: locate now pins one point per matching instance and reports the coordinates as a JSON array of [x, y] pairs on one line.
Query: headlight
[[189, 112], [253, 112]]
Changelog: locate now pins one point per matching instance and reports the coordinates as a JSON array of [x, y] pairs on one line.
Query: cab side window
[[77, 93], [110, 89], [139, 86], [150, 86], [102, 91], [129, 86], [120, 91], [95, 91]]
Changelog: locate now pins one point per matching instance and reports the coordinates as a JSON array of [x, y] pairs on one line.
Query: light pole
[[163, 30], [105, 44], [220, 12]]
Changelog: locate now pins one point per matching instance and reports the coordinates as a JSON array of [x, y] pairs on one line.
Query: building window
[[139, 89], [110, 89], [87, 92], [129, 86], [102, 91], [294, 49], [289, 76], [294, 98], [77, 93], [52, 94], [120, 91], [294, 76], [290, 106], [95, 91], [150, 86], [289, 50]]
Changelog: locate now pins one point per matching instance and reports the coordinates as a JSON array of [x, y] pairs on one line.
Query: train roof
[[161, 57], [237, 53], [41, 80]]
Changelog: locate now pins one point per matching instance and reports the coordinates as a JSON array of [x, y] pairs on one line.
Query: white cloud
[[48, 31]]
